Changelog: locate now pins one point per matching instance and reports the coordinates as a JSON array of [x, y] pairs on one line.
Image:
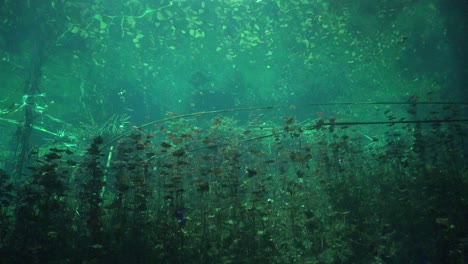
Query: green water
[[233, 131]]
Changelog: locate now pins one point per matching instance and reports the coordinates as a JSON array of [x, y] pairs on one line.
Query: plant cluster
[[193, 190]]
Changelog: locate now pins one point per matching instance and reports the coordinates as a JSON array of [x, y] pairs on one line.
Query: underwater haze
[[233, 131]]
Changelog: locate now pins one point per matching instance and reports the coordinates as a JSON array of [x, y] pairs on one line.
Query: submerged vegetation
[[207, 190], [231, 131]]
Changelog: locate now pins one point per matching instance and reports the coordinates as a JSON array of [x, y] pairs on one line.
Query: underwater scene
[[233, 131]]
